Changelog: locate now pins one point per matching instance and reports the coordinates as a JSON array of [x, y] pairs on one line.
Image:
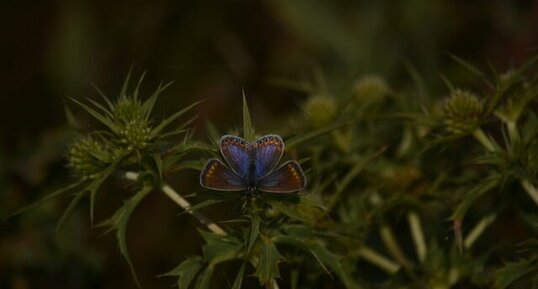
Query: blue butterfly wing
[[217, 176], [286, 179], [266, 152], [235, 151]]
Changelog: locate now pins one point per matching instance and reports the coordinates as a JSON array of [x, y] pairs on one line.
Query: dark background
[[212, 50]]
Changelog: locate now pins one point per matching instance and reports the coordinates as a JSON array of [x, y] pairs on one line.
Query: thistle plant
[[401, 193], [131, 146], [274, 228]]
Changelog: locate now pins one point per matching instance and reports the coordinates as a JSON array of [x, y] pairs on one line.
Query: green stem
[[379, 260], [512, 130], [478, 230], [393, 247], [530, 189], [184, 204], [418, 235], [483, 139]]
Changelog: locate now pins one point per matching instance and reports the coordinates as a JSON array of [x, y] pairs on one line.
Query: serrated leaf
[[96, 184], [204, 279], [118, 222], [186, 271], [513, 271], [92, 188], [267, 268], [103, 119], [248, 129], [70, 208], [301, 208], [239, 278], [170, 119], [220, 248]]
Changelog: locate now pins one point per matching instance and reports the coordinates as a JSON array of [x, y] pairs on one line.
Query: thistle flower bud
[[134, 129], [88, 156], [462, 112], [370, 89], [320, 110]]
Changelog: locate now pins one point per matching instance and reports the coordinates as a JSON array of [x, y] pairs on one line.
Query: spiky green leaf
[[186, 271], [49, 197], [71, 119], [107, 112], [170, 119], [105, 98], [267, 268], [248, 129], [514, 271], [148, 105], [254, 232], [221, 248], [137, 88], [119, 223], [158, 162], [101, 118], [94, 186], [473, 195], [70, 208], [239, 278], [204, 279], [123, 92], [302, 208], [303, 238], [472, 69]]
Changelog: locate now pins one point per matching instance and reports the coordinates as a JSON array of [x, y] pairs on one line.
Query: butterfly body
[[252, 166]]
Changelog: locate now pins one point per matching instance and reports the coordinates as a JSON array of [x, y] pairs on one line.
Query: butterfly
[[252, 166]]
